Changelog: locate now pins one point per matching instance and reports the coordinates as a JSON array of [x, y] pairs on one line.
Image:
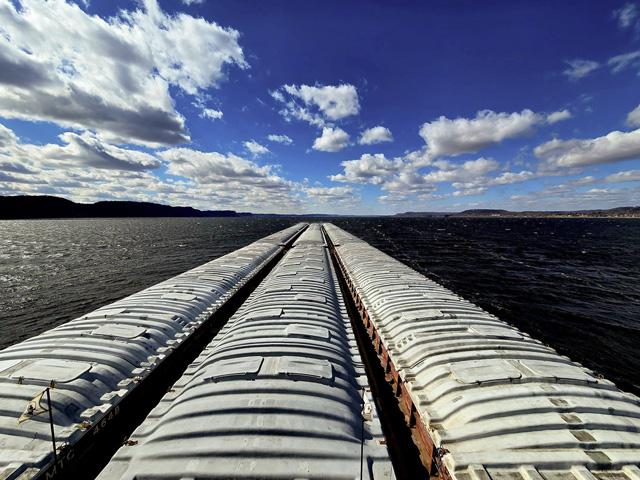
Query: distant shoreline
[[34, 207], [27, 207], [617, 212]]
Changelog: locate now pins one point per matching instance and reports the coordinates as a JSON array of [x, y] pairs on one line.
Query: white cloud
[[49, 69], [77, 151], [508, 178], [335, 102], [625, 176], [579, 68], [210, 113], [368, 168], [480, 184], [584, 180], [463, 135], [331, 140], [618, 63], [378, 134], [283, 139], [409, 182], [627, 16], [88, 149], [255, 148], [7, 137], [418, 158], [469, 192], [207, 180], [401, 176], [318, 104], [469, 170], [558, 116], [392, 199], [633, 117], [243, 183], [624, 61], [613, 147], [214, 167], [331, 194]]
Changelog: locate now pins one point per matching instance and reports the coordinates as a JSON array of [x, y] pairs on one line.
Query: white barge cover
[[277, 394], [95, 361], [496, 403]]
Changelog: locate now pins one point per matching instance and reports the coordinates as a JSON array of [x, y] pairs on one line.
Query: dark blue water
[[572, 283]]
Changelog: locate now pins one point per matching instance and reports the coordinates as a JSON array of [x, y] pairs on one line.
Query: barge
[[284, 387], [100, 369], [485, 400], [279, 393]]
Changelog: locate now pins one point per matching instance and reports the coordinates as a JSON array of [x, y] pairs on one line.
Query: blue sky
[[345, 107]]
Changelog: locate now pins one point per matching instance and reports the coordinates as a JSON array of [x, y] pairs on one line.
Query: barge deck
[[269, 377]]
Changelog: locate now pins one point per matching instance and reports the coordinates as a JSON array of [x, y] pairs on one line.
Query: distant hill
[[45, 206], [305, 215], [484, 212], [618, 212], [26, 206], [424, 214]]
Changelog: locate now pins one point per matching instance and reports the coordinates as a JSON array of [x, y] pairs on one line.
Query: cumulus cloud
[[402, 178], [208, 180], [283, 139], [7, 137], [579, 68], [613, 147], [445, 136], [469, 192], [255, 148], [481, 183], [213, 167], [88, 149], [455, 172], [210, 113], [244, 183], [633, 117], [368, 168], [508, 178], [625, 176], [317, 104], [331, 140], [558, 116], [48, 67], [78, 150], [331, 194], [398, 175], [392, 199], [62, 169], [409, 182], [378, 134], [418, 158]]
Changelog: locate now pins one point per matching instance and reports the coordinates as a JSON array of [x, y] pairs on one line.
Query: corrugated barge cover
[[277, 394], [498, 403], [96, 360]]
